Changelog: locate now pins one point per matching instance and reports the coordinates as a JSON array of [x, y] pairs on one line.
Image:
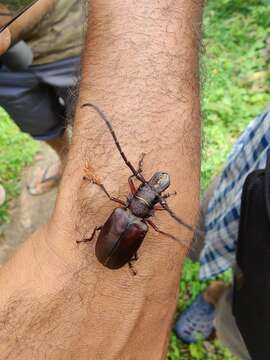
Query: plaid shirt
[[223, 212]]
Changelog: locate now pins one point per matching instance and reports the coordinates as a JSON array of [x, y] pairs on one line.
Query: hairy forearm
[[141, 68]]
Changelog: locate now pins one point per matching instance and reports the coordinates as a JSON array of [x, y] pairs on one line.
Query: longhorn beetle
[[123, 232]]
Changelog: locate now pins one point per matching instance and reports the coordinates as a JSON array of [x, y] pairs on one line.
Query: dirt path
[[28, 212]]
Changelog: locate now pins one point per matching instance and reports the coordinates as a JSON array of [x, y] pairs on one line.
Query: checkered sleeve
[[223, 212]]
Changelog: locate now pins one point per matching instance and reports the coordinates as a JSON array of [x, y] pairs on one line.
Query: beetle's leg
[[166, 207], [154, 226], [131, 268], [139, 170], [140, 164], [135, 257], [97, 228], [131, 185], [158, 208], [166, 196], [130, 264], [112, 198]]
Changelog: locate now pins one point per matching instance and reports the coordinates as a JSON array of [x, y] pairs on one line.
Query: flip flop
[[196, 322], [44, 180], [2, 195]]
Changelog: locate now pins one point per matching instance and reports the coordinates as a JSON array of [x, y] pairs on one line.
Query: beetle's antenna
[[166, 207], [154, 226], [17, 16], [109, 125]]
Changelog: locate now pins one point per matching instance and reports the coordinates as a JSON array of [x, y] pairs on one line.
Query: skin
[[57, 302], [5, 36], [214, 292], [5, 40]]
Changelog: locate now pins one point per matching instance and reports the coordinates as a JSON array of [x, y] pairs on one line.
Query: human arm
[[141, 68]]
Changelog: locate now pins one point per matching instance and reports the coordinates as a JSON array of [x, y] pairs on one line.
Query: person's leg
[[60, 145], [47, 174], [227, 330], [36, 109], [197, 321], [214, 291]]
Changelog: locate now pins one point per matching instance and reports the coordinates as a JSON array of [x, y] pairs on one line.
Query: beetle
[[124, 231]]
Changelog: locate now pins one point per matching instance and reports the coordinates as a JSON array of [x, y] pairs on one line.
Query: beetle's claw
[[132, 270]]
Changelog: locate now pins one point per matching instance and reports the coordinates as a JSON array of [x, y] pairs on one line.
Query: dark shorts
[[38, 99]]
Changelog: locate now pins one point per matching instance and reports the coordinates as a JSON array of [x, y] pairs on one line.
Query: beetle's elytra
[[120, 238]]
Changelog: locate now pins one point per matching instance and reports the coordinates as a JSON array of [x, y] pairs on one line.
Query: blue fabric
[[37, 98], [196, 321], [222, 216]]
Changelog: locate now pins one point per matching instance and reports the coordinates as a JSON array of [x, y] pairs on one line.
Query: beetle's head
[[160, 181]]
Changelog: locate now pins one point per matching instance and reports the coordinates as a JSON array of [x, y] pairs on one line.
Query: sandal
[[44, 180], [196, 322]]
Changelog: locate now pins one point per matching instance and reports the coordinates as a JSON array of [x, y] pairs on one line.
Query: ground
[[235, 88], [26, 212]]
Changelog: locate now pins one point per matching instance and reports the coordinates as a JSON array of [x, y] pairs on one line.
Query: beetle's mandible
[[123, 232]]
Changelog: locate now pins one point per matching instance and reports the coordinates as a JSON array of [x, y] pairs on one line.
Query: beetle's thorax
[[147, 195], [143, 201]]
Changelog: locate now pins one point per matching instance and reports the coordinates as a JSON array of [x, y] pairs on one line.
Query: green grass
[[235, 32], [235, 89], [16, 151]]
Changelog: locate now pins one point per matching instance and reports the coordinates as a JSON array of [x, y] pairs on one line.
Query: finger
[[5, 39]]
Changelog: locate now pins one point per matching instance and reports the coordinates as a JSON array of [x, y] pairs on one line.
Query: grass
[[16, 151], [235, 89], [237, 76]]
